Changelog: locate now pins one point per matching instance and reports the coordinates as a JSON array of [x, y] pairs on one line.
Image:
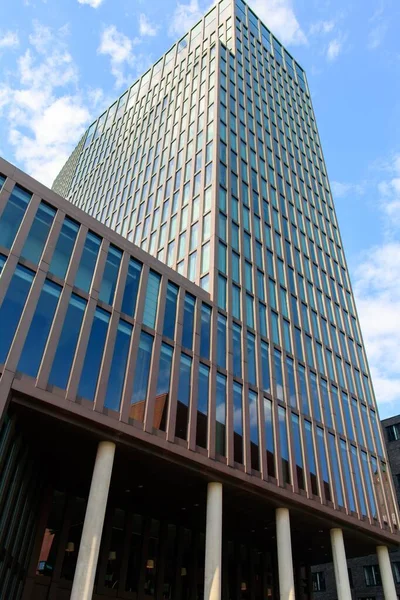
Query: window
[[150, 307], [220, 414], [318, 581], [393, 432], [221, 341], [131, 287], [94, 353], [12, 215], [118, 366], [372, 575], [202, 405], [65, 352], [164, 370], [170, 310], [110, 275], [39, 329], [205, 331], [63, 250], [284, 444], [188, 321], [141, 380], [38, 233], [12, 307], [182, 409], [396, 571], [84, 275]]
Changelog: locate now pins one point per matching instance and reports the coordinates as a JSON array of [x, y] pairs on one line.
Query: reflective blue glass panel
[[325, 403], [39, 329], [131, 287], [375, 429], [221, 341], [297, 451], [12, 307], [335, 467], [182, 412], [38, 233], [110, 275], [369, 483], [202, 406], [188, 321], [278, 373], [323, 463], [151, 303], [336, 409], [347, 477], [367, 428], [12, 215], [284, 444], [94, 354], [305, 407], [265, 367], [164, 371], [116, 378], [205, 331], [253, 418], [314, 396], [220, 400], [357, 422], [311, 457], [63, 250], [141, 381], [251, 358], [170, 310], [357, 474], [237, 349], [291, 381], [62, 363], [84, 275], [269, 436], [238, 422]]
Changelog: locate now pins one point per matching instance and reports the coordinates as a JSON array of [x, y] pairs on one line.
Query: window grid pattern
[[133, 396]]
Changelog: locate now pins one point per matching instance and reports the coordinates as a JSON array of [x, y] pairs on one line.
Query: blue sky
[[63, 61]]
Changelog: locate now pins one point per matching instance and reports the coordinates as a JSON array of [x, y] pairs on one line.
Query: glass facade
[[250, 343]]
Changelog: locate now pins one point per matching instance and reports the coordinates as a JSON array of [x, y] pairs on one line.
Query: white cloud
[[377, 293], [44, 112], [9, 39], [342, 189], [389, 190], [119, 48], [376, 36], [322, 27], [335, 47], [145, 27], [184, 17], [280, 17], [92, 3], [377, 290]]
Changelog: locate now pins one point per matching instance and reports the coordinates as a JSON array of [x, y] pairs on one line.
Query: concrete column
[[340, 565], [213, 561], [285, 560], [82, 588], [389, 588]]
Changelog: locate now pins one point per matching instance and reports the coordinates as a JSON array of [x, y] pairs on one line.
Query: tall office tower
[[233, 388]]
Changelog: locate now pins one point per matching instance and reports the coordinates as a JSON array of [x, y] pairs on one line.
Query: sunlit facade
[[199, 323]]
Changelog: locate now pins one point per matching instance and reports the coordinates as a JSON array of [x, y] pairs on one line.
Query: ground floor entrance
[[153, 540]]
